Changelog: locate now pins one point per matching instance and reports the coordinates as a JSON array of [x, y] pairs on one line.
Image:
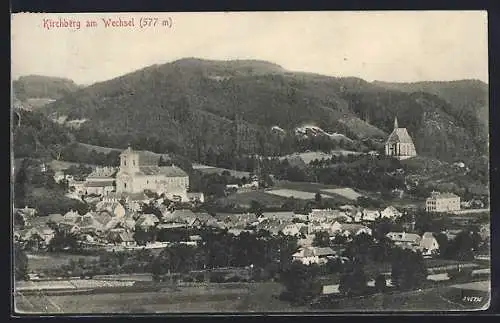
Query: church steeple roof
[[396, 123]]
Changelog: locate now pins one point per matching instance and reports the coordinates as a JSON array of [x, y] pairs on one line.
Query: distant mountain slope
[[194, 105], [468, 99], [42, 88]]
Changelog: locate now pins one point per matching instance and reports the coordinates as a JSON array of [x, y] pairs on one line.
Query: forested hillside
[[42, 87], [193, 106]]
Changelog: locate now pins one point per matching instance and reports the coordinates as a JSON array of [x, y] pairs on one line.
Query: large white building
[[442, 202], [399, 144], [139, 171]]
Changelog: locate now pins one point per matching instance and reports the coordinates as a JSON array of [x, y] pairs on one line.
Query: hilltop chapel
[[399, 144], [139, 171]]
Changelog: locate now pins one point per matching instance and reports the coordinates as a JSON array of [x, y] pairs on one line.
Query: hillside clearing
[[345, 192], [244, 199], [295, 194]]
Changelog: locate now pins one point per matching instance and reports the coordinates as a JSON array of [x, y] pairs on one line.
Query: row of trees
[[301, 282], [220, 250]]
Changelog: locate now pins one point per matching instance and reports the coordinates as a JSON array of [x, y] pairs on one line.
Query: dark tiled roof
[[132, 196], [444, 196], [126, 236], [99, 183], [147, 218], [169, 171], [325, 251], [400, 135]]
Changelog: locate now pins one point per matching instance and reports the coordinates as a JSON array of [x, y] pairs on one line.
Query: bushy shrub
[[217, 277], [188, 279], [199, 278], [233, 279], [463, 274]]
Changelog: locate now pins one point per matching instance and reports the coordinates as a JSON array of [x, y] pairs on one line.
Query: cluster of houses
[[110, 224], [426, 244], [115, 217]]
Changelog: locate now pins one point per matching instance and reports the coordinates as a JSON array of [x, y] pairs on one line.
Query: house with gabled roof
[[88, 223], [390, 212], [284, 216], [127, 222], [121, 237], [428, 244], [115, 209], [314, 255], [325, 214], [353, 229], [293, 229], [367, 215], [147, 221], [405, 240]]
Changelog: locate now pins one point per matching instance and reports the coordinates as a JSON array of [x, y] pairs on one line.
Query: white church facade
[[399, 144], [139, 171]]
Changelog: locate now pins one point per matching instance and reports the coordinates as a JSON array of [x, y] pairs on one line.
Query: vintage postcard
[[250, 162]]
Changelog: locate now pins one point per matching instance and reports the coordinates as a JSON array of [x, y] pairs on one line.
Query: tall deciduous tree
[[354, 281], [20, 264], [300, 282], [321, 239], [408, 269]]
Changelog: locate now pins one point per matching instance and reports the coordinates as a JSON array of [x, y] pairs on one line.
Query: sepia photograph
[[250, 162]]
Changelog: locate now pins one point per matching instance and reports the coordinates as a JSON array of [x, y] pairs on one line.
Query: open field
[[75, 284], [433, 299], [324, 189], [59, 165], [217, 170], [304, 186], [44, 261], [250, 297], [346, 192], [107, 150], [471, 211], [294, 193], [246, 297], [245, 198], [308, 157], [100, 149], [39, 102], [308, 195]]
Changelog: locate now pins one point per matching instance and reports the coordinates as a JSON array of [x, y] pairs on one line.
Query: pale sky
[[400, 46]]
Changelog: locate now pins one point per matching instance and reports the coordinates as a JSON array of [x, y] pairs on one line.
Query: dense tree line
[[36, 188], [370, 173], [300, 283], [77, 153], [408, 269], [35, 136]]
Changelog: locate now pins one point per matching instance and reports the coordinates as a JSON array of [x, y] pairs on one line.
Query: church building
[[399, 144], [139, 171]]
